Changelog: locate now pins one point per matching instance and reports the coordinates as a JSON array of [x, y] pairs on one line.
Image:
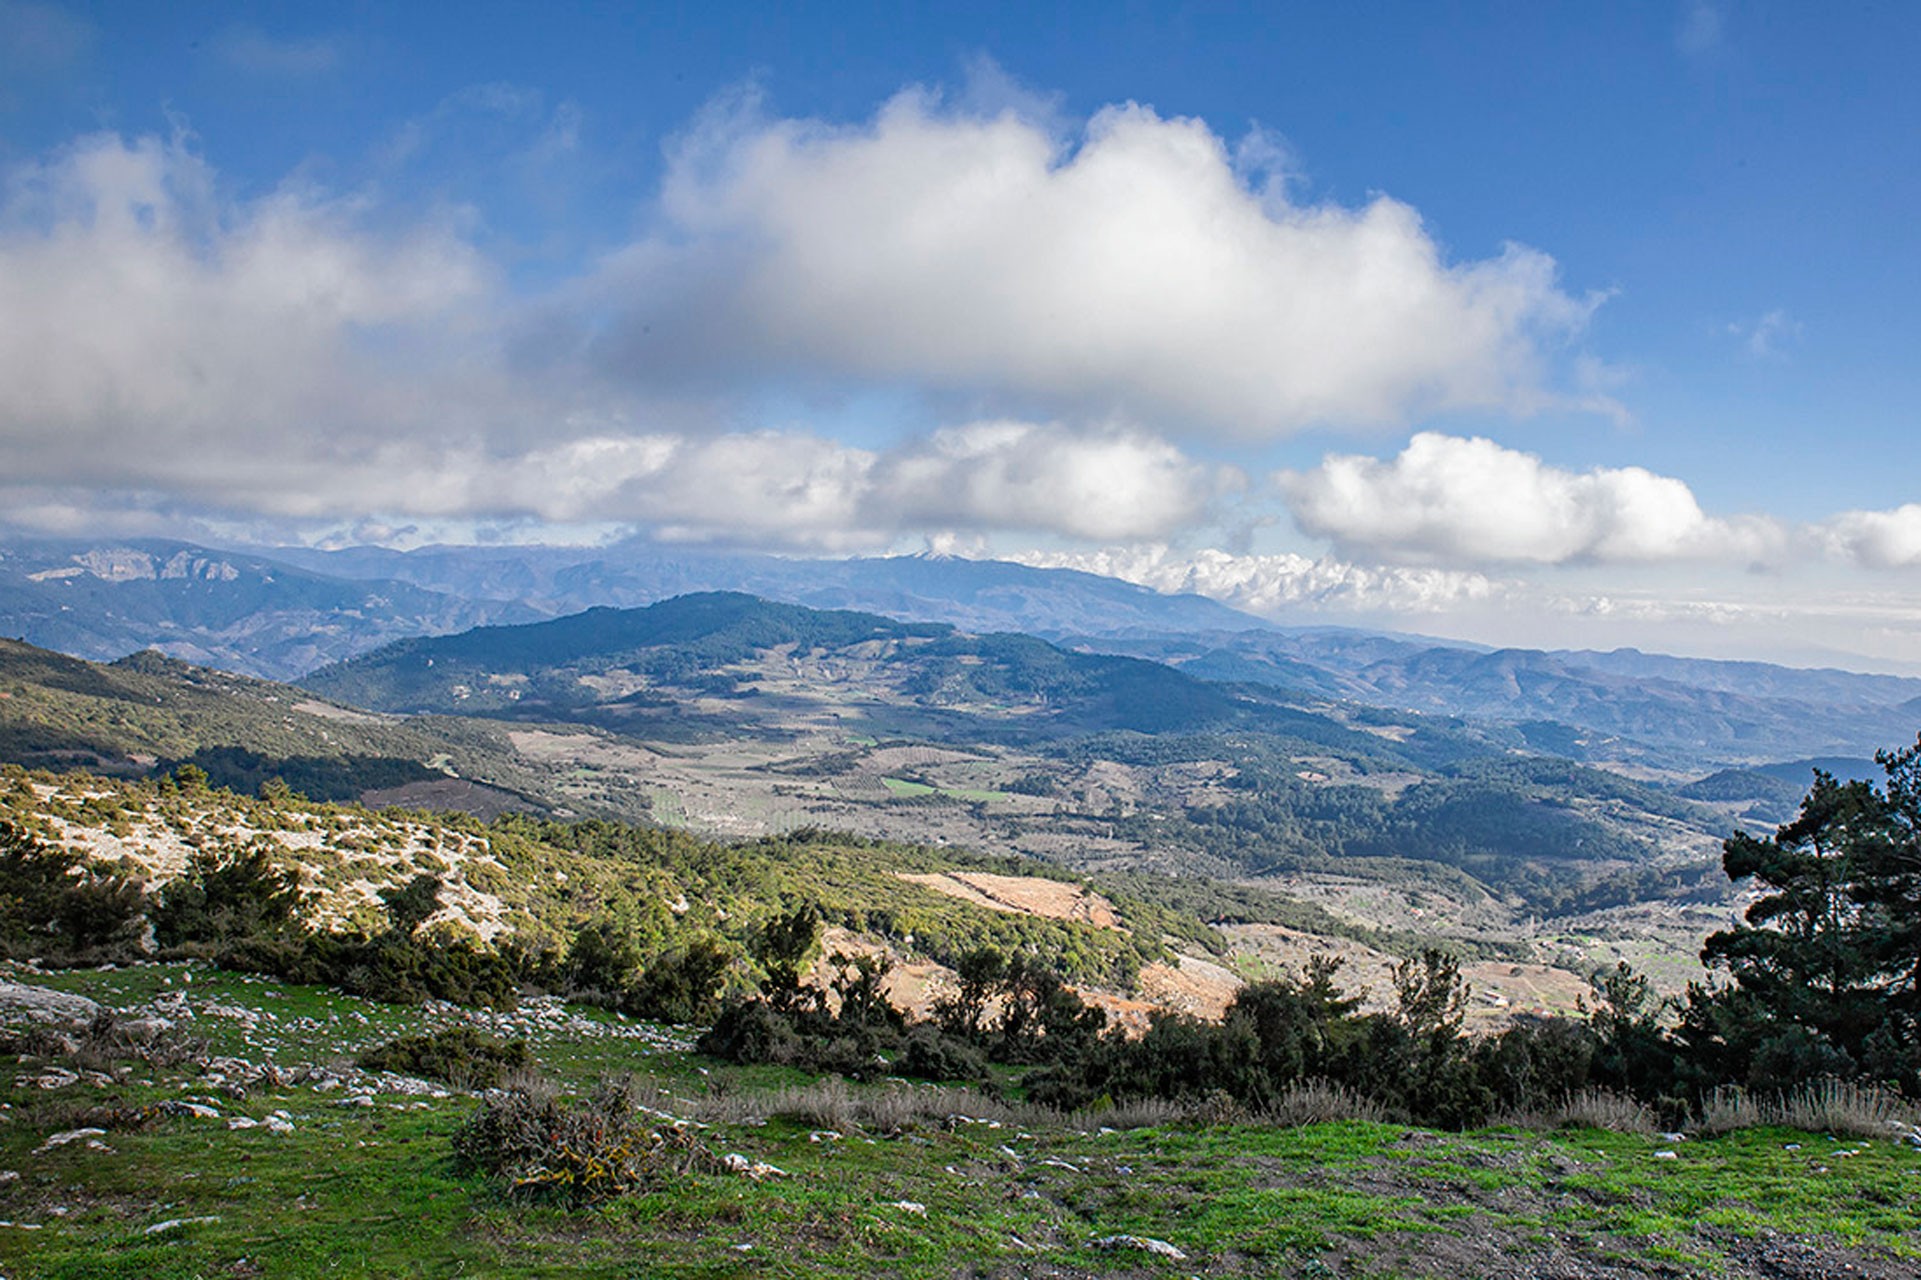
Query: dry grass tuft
[[1825, 1106], [1320, 1101], [1595, 1108], [1135, 1113], [895, 1108]]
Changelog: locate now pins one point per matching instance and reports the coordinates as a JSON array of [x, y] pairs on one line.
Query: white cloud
[[1449, 499], [1814, 622], [1276, 585], [287, 356], [1131, 269], [1875, 539], [1110, 484], [152, 333], [794, 489]]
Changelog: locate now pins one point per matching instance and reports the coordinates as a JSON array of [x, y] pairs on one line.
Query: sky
[[1547, 325]]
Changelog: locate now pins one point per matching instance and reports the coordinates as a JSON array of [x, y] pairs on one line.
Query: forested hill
[[612, 666], [148, 713]]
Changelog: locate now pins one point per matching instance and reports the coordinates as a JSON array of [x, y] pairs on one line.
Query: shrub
[[749, 1031], [537, 1145], [932, 1055], [601, 962], [52, 907], [682, 986], [1536, 1063], [227, 896], [393, 967], [460, 1056]]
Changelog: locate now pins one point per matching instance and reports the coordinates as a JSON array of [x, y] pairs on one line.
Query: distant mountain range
[[1619, 707], [236, 610], [287, 612], [975, 595]]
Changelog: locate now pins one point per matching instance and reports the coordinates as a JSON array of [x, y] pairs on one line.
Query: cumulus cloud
[[1875, 539], [1274, 585], [796, 489], [1108, 484], [151, 331], [296, 356], [1450, 499], [1131, 268]]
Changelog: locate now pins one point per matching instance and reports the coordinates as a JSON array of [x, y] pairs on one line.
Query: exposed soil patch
[[1191, 985], [580, 748], [1023, 895], [449, 794], [1502, 989], [910, 985], [328, 711]]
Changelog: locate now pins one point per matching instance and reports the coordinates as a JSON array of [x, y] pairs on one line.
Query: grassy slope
[[372, 1192]]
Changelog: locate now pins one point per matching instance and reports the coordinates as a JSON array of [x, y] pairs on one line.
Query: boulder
[[40, 1004]]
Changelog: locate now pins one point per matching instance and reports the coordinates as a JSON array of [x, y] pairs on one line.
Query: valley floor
[[270, 1154]]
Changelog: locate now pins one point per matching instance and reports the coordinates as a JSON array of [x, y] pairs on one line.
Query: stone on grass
[[735, 1162], [1139, 1244], [63, 1138], [38, 1004]]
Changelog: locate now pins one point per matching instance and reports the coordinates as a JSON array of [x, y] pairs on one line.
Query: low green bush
[[53, 908], [459, 1056]]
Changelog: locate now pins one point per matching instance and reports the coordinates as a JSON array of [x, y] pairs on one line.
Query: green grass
[[973, 795], [373, 1191], [907, 788]]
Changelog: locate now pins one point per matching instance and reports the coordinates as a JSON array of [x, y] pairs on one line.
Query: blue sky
[[1543, 324]]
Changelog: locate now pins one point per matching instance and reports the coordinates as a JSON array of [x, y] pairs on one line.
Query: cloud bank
[[291, 356], [1274, 585], [307, 353]]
